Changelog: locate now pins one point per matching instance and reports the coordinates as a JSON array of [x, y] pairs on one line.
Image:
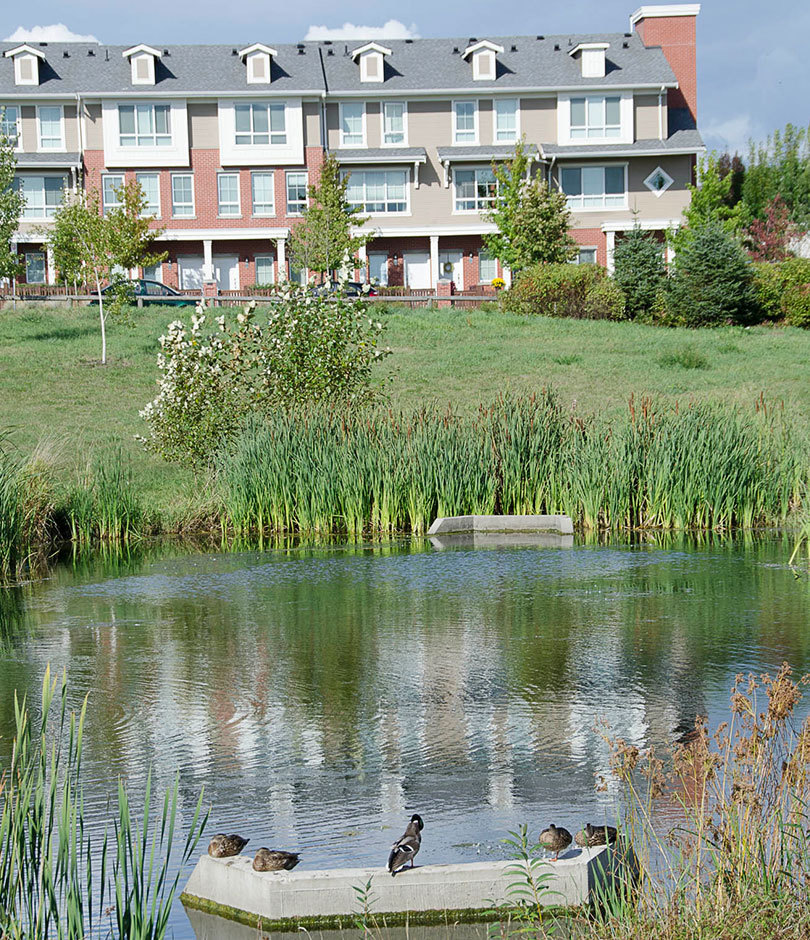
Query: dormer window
[[372, 61], [142, 63], [26, 64], [258, 60], [592, 58], [484, 62]]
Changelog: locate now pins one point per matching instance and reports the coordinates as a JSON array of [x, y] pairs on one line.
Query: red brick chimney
[[672, 27]]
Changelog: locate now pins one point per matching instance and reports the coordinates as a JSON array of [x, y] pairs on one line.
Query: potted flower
[[498, 283]]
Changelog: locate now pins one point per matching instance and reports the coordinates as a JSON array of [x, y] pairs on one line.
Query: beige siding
[[485, 118], [312, 123], [203, 127], [28, 115], [93, 134], [373, 124], [71, 128], [333, 125], [646, 117], [538, 119]]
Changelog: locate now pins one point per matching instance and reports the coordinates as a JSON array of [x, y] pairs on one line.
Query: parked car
[[347, 289], [153, 292]]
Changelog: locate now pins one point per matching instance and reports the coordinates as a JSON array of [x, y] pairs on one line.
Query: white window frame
[[43, 177], [146, 213], [465, 143], [509, 140], [44, 257], [386, 262], [238, 205], [272, 211], [149, 78], [581, 248], [61, 110], [158, 276], [19, 79], [108, 178], [485, 207], [154, 147], [489, 257], [18, 123], [343, 105], [626, 128], [252, 77], [360, 206], [183, 215], [272, 259], [485, 66], [287, 176], [404, 141], [365, 60], [601, 165], [253, 133], [668, 181]]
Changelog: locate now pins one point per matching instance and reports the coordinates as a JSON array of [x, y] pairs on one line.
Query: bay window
[[475, 189], [352, 132], [260, 124], [394, 123], [465, 129], [43, 195], [144, 125], [378, 191], [506, 120], [595, 117], [594, 187]]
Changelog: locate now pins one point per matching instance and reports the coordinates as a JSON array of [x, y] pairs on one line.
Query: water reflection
[[322, 693]]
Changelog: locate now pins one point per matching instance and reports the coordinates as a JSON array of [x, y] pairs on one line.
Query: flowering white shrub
[[305, 348]]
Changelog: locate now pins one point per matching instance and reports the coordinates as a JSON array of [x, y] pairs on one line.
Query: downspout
[[80, 120], [661, 113]]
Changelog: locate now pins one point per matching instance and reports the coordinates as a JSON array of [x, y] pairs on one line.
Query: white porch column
[[507, 276], [281, 258], [434, 260], [51, 275], [208, 260], [610, 237], [362, 258]]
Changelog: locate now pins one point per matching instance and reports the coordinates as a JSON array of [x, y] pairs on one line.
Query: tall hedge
[[639, 270]]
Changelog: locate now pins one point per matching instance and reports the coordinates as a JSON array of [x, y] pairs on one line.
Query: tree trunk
[[101, 320]]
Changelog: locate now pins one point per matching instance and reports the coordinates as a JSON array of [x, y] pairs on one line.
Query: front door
[[450, 265], [378, 268], [226, 272], [417, 270]]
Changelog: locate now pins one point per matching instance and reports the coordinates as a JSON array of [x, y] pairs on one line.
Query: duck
[[222, 846], [591, 836], [404, 850], [555, 839], [275, 860]]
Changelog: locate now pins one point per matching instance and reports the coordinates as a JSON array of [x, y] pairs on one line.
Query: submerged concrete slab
[[458, 525], [231, 888], [502, 540]]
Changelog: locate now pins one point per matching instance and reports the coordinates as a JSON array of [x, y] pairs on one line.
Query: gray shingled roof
[[49, 160], [383, 155], [495, 152], [686, 141], [414, 65]]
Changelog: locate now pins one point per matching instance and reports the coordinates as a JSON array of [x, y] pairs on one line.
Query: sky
[[753, 57]]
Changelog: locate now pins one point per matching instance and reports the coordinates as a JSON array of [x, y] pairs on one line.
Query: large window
[[487, 267], [35, 267], [265, 269], [43, 195], [378, 191], [594, 187], [506, 120], [144, 125], [182, 195], [10, 124], [260, 124], [595, 117], [394, 123], [465, 130], [475, 189], [228, 194], [351, 124], [261, 184], [150, 184], [296, 193], [50, 128], [111, 185]]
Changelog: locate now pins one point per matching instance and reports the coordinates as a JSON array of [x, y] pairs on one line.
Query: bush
[[640, 271], [712, 280], [307, 348], [687, 357], [796, 303], [582, 291], [781, 288]]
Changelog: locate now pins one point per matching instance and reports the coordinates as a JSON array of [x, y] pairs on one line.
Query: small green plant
[[568, 360], [365, 899], [529, 893], [687, 357]]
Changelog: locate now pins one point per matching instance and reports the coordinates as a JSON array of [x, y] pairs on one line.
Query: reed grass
[[56, 880], [12, 519], [324, 471], [104, 504]]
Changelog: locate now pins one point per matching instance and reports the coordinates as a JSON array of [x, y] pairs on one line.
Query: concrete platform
[[502, 540], [232, 889], [465, 525]]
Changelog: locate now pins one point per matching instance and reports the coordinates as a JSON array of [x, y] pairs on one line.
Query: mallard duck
[[222, 846], [404, 850], [555, 839], [274, 860], [592, 836]]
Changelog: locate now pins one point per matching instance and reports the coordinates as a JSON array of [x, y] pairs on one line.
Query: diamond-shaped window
[[658, 181]]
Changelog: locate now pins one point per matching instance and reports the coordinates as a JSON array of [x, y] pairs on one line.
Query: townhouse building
[[225, 140]]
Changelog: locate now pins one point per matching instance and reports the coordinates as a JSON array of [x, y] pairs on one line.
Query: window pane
[[162, 118], [265, 272], [263, 201], [394, 116], [277, 118], [261, 123], [110, 198], [150, 184], [614, 179], [126, 119], [352, 128], [506, 119], [396, 185], [487, 267], [571, 181], [35, 267], [144, 119], [577, 112], [596, 111], [242, 117], [8, 123], [612, 111], [593, 180], [296, 193]]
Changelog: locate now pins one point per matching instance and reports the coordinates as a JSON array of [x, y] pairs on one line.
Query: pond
[[323, 694]]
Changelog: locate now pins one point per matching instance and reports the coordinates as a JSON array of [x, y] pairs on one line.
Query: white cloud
[[393, 29], [56, 32], [732, 134]]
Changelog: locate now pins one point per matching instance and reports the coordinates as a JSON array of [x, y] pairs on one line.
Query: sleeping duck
[[275, 860], [591, 836], [555, 839], [222, 846], [404, 850]]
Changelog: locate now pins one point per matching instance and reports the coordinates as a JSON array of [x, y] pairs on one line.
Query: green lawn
[[53, 391]]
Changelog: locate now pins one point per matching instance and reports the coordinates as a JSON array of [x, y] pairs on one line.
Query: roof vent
[[541, 38], [301, 50], [91, 51], [330, 51], [166, 52], [455, 50], [409, 41], [327, 42], [65, 54], [628, 35], [513, 49], [44, 45], [625, 45], [556, 47], [234, 52], [472, 40]]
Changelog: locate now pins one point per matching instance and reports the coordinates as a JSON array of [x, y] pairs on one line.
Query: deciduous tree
[[11, 207]]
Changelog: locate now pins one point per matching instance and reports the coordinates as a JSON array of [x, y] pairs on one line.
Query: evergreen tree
[[322, 241], [639, 270], [12, 203], [710, 203], [532, 218]]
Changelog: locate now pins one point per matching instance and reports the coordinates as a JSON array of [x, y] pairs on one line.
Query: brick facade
[[677, 37]]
